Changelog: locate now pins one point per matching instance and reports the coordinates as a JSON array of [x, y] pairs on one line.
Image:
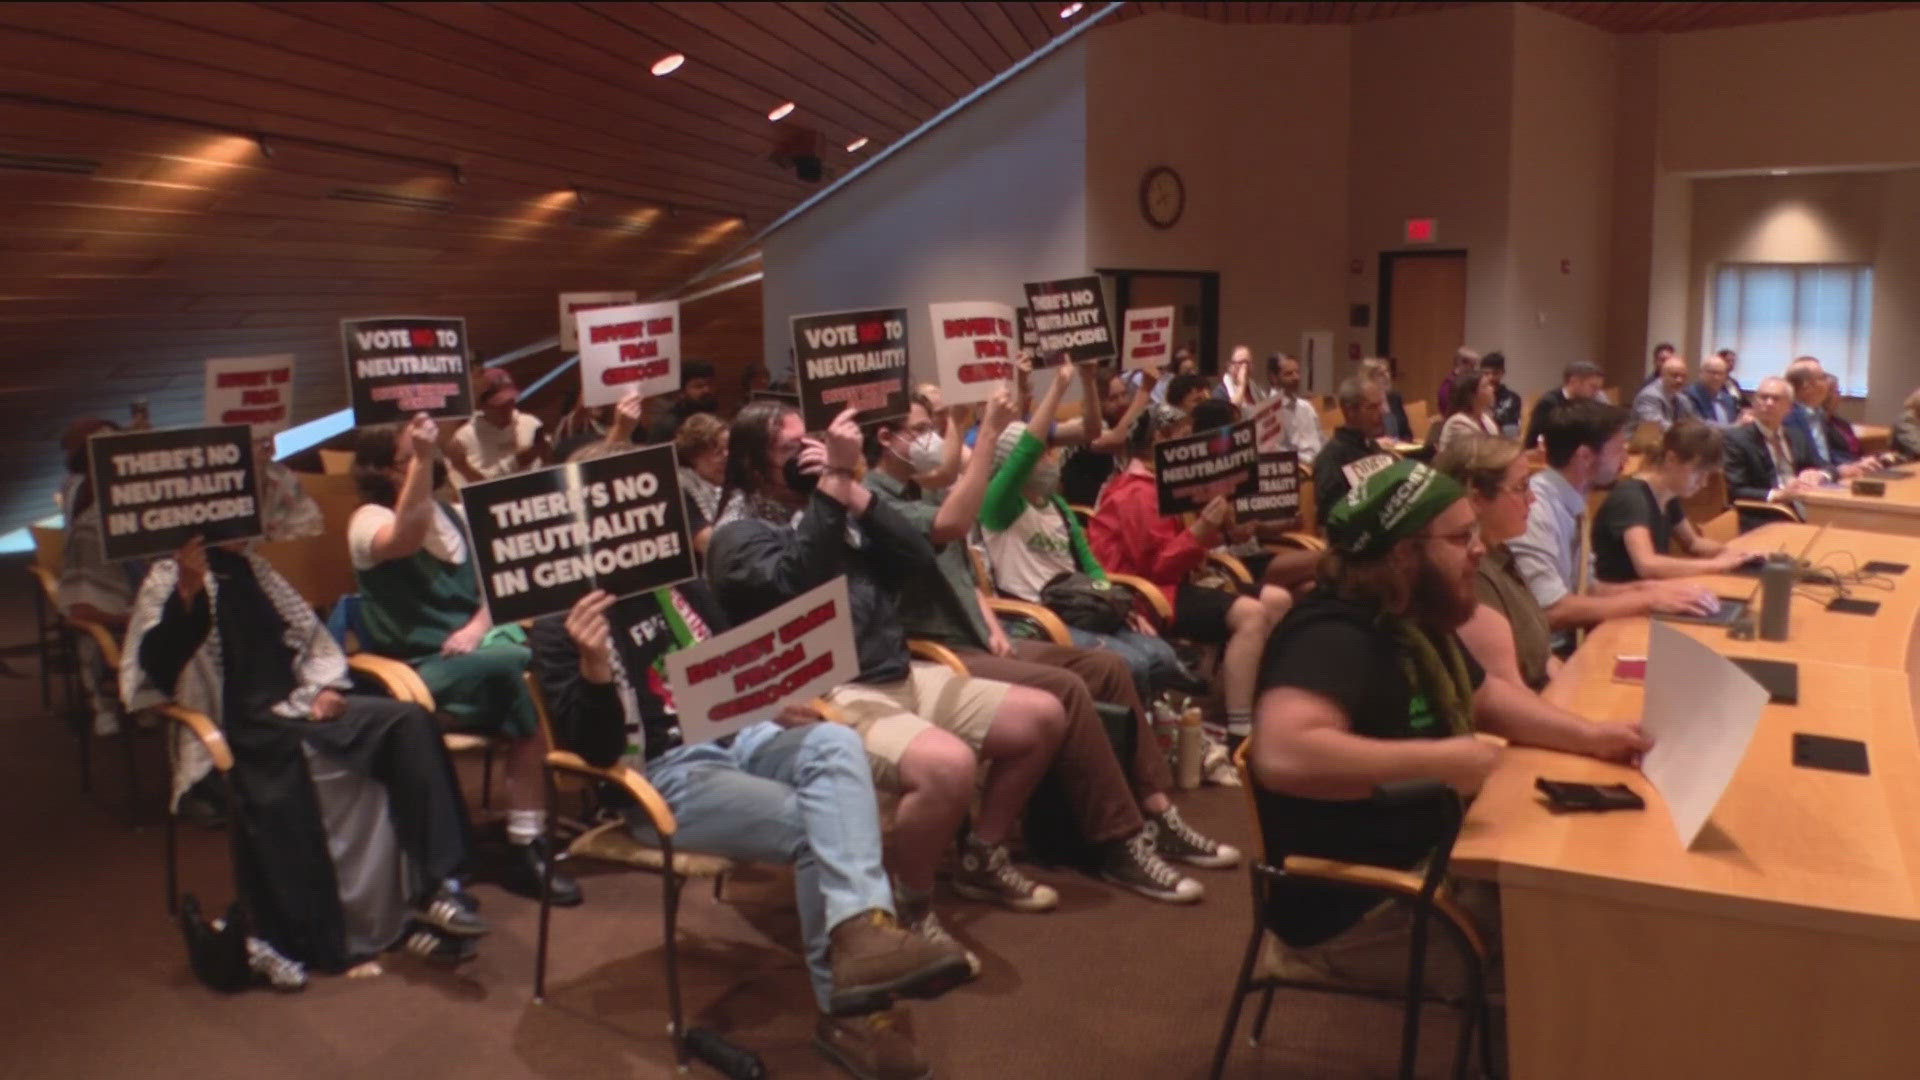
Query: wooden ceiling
[[190, 180], [1618, 18]]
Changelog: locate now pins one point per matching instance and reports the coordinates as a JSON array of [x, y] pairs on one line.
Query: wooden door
[[1424, 318]]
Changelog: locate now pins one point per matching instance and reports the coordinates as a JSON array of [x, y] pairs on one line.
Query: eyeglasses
[[1466, 537]]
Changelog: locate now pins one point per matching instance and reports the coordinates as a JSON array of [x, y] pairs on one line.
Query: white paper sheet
[[1701, 710]]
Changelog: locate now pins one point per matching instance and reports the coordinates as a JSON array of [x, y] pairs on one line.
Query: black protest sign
[[1275, 493], [1191, 472], [404, 364], [851, 358], [1023, 324], [1070, 318], [158, 489], [546, 538]]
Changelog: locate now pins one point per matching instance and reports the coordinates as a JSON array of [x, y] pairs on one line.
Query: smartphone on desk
[[1568, 795]]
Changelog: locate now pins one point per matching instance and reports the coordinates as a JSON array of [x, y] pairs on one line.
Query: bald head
[[1673, 374], [1713, 374], [1771, 400]]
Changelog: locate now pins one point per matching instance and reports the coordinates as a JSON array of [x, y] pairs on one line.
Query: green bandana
[[1388, 506]]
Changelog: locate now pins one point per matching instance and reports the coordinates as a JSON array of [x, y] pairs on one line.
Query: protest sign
[[255, 390], [794, 653], [1070, 318], [573, 303], [1191, 471], [1148, 341], [158, 489], [544, 539], [1023, 323], [405, 364], [972, 348], [1275, 493], [629, 347], [1269, 421], [851, 358]]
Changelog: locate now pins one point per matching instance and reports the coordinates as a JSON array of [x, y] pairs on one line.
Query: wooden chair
[[201, 728], [319, 568], [1709, 502], [1425, 892], [613, 843], [1722, 528], [336, 462], [52, 638], [1418, 418]]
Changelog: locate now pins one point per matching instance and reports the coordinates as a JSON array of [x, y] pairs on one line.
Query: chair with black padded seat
[[1425, 891]]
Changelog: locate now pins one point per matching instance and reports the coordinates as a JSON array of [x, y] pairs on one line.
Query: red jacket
[[1131, 536]]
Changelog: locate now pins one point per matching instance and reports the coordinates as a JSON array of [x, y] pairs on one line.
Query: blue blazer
[[1703, 402]]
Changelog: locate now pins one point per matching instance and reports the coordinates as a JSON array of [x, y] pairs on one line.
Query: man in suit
[[1578, 381], [1665, 400], [1770, 460], [1713, 396], [1808, 380]]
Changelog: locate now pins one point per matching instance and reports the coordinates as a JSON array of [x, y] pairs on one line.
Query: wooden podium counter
[[1898, 511], [1786, 942]]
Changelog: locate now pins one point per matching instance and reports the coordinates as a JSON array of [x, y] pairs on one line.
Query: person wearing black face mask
[[420, 603], [696, 396]]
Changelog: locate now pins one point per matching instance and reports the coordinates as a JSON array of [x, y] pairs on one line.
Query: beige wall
[[1851, 217], [1560, 180], [1809, 93], [1254, 119], [1432, 102]]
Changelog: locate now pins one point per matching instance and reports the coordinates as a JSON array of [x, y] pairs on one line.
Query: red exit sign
[[1422, 230]]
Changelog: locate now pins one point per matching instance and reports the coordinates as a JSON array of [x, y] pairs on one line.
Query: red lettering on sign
[[226, 380], [973, 373], [653, 369], [639, 350], [870, 331], [422, 338], [616, 332]]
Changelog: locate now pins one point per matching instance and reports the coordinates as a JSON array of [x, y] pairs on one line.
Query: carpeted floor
[[95, 979]]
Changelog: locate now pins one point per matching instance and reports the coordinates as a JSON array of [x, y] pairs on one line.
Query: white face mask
[[1044, 479], [927, 452]]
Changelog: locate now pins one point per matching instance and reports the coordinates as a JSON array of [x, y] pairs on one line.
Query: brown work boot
[[874, 1047], [875, 961]]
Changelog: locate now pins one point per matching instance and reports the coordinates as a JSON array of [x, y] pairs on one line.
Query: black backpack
[[218, 955]]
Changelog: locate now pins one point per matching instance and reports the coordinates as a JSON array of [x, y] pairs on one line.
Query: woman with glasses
[[1508, 634]]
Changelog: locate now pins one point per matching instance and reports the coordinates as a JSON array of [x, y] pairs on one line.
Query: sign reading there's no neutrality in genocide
[[1069, 317], [400, 365], [546, 538], [1275, 493], [854, 359], [158, 489], [794, 653]]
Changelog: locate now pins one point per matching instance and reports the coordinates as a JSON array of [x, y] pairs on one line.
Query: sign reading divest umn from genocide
[[254, 390], [1275, 492], [1269, 420], [158, 489], [573, 303], [1192, 471], [973, 349], [399, 365], [794, 653], [1069, 317], [1148, 340], [544, 539], [852, 359], [626, 348]]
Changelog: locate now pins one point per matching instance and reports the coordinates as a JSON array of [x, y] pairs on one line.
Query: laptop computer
[[1780, 677]]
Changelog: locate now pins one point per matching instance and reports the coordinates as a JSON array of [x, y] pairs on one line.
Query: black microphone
[[734, 1062]]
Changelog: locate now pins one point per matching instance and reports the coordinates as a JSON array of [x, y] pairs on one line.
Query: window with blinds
[[1771, 313]]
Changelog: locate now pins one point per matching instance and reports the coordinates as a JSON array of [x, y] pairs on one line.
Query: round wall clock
[[1162, 197]]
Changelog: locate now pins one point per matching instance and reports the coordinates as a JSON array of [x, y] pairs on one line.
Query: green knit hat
[[1390, 505]]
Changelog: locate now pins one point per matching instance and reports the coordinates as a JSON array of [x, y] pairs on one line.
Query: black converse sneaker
[[986, 873], [1134, 864], [1177, 841]]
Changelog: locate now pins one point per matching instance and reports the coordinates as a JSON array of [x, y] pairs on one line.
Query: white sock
[[524, 825]]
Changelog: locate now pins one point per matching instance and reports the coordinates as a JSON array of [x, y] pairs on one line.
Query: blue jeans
[[799, 795], [1148, 656]]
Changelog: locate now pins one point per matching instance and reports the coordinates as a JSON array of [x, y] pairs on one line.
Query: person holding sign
[[499, 440], [1130, 535], [786, 790], [952, 611], [348, 809], [420, 602], [792, 518], [1365, 684]]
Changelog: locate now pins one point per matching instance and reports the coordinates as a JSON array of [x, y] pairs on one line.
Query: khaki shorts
[[889, 716]]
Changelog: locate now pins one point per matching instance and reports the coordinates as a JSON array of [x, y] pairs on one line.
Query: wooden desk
[[1898, 511], [1786, 942], [1874, 438]]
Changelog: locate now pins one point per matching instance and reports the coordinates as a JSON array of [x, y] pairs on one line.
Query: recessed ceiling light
[[1776, 172], [856, 145], [669, 63], [1070, 11], [780, 111]]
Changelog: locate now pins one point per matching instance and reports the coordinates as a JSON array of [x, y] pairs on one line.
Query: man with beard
[[696, 396], [1366, 683], [420, 603], [500, 440]]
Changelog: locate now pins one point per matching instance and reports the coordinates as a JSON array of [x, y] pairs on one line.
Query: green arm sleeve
[[1004, 500], [1083, 555]]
